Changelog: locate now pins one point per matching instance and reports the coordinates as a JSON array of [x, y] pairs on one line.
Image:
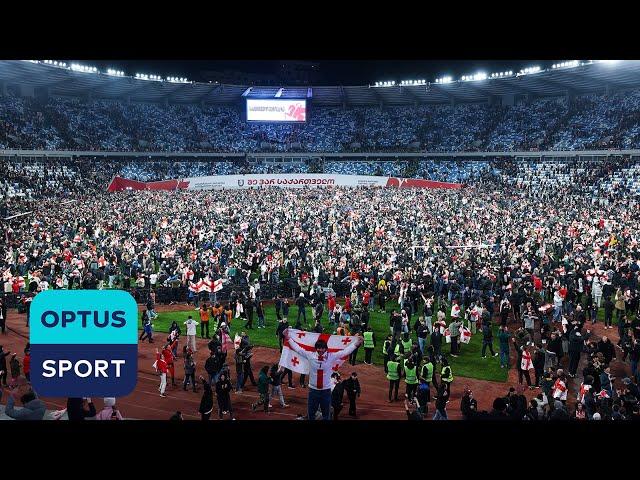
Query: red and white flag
[[206, 285], [306, 340], [236, 341], [465, 335]]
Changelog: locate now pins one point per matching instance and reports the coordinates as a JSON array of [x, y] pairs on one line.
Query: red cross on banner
[[295, 361], [346, 340], [301, 334]]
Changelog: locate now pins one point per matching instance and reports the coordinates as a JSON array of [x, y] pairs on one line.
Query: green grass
[[468, 364]]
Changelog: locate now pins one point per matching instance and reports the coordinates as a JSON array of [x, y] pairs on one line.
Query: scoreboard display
[[276, 110]]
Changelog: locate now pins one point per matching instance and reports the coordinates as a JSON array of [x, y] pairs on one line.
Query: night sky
[[331, 72]]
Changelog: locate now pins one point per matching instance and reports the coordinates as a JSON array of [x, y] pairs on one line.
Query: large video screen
[[276, 110]]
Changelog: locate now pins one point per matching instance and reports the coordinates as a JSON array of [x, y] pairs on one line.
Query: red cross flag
[[206, 285], [465, 335], [307, 340]]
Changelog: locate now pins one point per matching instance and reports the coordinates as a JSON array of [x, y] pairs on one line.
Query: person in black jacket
[[538, 364], [487, 339], [468, 405], [223, 389], [80, 408], [436, 342], [3, 366], [3, 316], [607, 349], [337, 395], [352, 387], [301, 302], [206, 403], [278, 306], [576, 346], [283, 324]]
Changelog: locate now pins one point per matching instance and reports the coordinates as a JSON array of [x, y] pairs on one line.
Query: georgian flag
[[307, 340], [7, 276], [604, 394], [465, 335], [206, 285]]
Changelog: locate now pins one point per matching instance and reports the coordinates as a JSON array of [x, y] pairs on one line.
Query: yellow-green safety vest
[[429, 375], [407, 345], [392, 370], [410, 374], [385, 347], [446, 375], [368, 340]]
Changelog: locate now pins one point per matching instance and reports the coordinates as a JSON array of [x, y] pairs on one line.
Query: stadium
[[455, 248]]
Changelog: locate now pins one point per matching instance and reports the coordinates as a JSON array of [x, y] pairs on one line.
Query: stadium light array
[[413, 82], [501, 74], [571, 64], [529, 70], [53, 63], [144, 76], [115, 73], [476, 77], [444, 80], [177, 80], [83, 68], [385, 84]]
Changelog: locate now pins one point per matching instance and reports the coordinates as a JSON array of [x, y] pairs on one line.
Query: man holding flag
[[321, 362]]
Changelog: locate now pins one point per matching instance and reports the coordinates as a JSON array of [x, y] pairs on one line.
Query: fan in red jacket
[[347, 304], [331, 304], [161, 367], [169, 358]]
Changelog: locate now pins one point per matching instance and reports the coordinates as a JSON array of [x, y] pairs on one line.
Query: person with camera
[[110, 411], [412, 408]]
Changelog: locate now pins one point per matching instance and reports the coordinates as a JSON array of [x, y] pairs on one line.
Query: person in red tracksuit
[[26, 364], [331, 305], [167, 353], [161, 367]]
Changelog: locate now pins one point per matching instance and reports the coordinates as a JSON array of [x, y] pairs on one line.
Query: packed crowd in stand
[[541, 248], [592, 121]]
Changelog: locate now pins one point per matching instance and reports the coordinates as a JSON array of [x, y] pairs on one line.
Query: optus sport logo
[[84, 343]]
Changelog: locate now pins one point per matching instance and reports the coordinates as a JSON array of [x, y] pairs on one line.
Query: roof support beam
[[214, 88], [172, 95], [452, 98], [562, 86], [408, 92]]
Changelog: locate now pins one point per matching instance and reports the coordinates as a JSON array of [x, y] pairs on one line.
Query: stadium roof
[[577, 77]]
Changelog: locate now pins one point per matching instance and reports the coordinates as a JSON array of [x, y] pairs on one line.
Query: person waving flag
[[317, 355]]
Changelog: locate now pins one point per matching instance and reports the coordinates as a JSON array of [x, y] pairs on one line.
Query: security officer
[[446, 375], [426, 376], [393, 375], [410, 377], [369, 345], [385, 352], [404, 347]]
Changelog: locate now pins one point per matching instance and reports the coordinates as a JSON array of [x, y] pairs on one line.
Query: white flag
[[306, 340]]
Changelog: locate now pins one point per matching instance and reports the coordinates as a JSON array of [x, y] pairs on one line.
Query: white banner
[[283, 180]]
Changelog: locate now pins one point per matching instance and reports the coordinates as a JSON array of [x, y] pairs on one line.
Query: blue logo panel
[[84, 316], [84, 343], [84, 370]]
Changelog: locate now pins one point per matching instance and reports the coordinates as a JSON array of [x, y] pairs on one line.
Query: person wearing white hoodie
[[110, 411]]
